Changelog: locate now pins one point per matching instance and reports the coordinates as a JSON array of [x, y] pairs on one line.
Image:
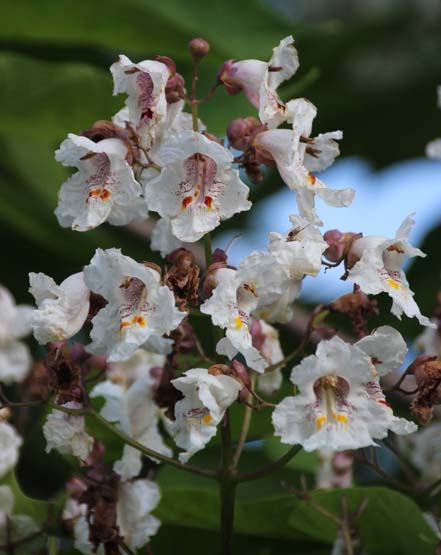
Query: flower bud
[[219, 369], [198, 49], [240, 131], [339, 246]]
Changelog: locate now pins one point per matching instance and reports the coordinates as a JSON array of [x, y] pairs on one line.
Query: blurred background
[[371, 67]]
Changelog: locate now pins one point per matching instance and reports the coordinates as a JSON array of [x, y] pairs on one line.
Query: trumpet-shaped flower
[[260, 80], [378, 269], [104, 187], [15, 359], [339, 405], [197, 187], [144, 83], [300, 251], [206, 398], [62, 309], [230, 307], [296, 156], [133, 409], [66, 433], [139, 310]]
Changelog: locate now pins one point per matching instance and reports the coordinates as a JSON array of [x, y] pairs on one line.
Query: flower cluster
[[144, 372]]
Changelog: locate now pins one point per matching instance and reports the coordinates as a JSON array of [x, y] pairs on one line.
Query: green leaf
[[391, 522], [24, 505]]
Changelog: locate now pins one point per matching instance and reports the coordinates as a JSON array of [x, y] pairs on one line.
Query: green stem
[[149, 452], [227, 488], [267, 470], [133, 443], [245, 425]]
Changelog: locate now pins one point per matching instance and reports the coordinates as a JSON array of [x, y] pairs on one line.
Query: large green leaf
[[391, 522]]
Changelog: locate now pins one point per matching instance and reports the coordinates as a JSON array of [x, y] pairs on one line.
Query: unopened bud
[[198, 49], [240, 131], [219, 369]]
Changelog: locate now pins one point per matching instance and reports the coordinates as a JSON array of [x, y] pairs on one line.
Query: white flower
[[282, 66], [289, 150], [104, 187], [433, 149], [136, 367], [266, 340], [66, 433], [339, 404], [15, 358], [379, 269], [230, 307], [386, 348], [424, 450], [10, 443], [206, 398], [13, 527], [260, 80], [300, 251], [139, 308], [197, 187], [144, 83], [136, 500], [136, 414], [162, 238], [62, 309], [76, 515]]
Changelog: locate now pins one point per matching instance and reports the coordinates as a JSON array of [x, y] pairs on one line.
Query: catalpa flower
[[66, 433], [433, 149], [297, 155], [133, 409], [104, 187], [10, 443], [139, 310], [230, 307], [136, 500], [266, 341], [260, 80], [15, 358], [300, 250], [62, 309], [378, 269], [206, 398], [340, 404], [197, 187], [144, 83]]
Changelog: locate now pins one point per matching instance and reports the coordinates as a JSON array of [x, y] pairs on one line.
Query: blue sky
[[382, 200]]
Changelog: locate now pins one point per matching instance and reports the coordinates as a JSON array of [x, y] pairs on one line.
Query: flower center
[[101, 179], [197, 417], [331, 406], [144, 85], [199, 186], [133, 310]]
